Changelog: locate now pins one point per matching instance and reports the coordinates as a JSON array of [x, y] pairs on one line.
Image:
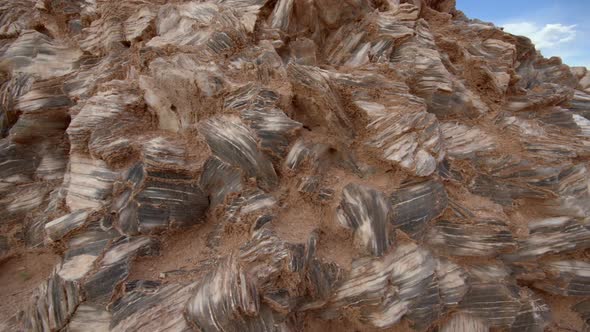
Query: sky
[[557, 27]]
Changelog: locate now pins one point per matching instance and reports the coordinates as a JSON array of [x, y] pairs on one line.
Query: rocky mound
[[287, 165]]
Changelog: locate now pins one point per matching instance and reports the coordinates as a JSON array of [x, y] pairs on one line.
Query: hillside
[[287, 165]]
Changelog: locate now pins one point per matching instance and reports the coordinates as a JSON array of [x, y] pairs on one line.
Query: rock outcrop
[[290, 165]]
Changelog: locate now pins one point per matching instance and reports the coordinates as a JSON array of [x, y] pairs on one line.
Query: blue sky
[[558, 27]]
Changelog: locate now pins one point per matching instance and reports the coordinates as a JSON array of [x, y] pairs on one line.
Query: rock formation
[[290, 165]]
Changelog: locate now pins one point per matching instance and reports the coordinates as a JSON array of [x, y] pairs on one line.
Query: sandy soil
[[314, 324], [564, 318], [185, 254], [19, 276]]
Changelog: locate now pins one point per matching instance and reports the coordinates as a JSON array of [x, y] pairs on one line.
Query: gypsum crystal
[[366, 212], [415, 205], [479, 238], [317, 87]]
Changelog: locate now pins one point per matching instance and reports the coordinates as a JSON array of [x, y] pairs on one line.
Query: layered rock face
[[291, 165]]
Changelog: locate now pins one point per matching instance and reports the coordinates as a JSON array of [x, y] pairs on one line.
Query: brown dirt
[[184, 254], [564, 318], [481, 207], [297, 220], [301, 214], [521, 218], [19, 277], [182, 250], [314, 324]]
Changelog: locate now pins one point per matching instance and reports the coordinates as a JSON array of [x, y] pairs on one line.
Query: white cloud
[[547, 36]]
